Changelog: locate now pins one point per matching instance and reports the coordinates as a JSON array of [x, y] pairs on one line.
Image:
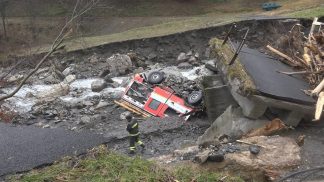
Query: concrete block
[[217, 96], [217, 99], [231, 123], [251, 108], [292, 118]]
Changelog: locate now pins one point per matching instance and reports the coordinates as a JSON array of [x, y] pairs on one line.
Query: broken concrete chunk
[[98, 85], [231, 123]]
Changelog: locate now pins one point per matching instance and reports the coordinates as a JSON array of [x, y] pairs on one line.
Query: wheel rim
[[155, 77], [193, 97]]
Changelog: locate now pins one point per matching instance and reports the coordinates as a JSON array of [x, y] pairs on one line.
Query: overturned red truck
[[148, 94]]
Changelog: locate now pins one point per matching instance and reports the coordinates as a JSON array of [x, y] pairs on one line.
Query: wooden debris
[[306, 54], [319, 106], [132, 108], [288, 59], [318, 89], [270, 128]]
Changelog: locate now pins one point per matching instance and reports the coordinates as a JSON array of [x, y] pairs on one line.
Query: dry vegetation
[[225, 53]]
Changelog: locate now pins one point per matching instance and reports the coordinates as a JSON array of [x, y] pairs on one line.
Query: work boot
[[131, 152]]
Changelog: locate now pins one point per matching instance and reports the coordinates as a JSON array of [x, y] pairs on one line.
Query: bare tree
[[80, 8], [3, 8]]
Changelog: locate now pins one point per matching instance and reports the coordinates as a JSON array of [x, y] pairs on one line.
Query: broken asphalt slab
[[262, 67], [26, 147]]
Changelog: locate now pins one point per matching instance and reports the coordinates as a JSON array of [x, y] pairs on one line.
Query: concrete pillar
[[217, 96]]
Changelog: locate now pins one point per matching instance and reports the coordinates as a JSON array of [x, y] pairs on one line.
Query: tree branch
[[56, 43]]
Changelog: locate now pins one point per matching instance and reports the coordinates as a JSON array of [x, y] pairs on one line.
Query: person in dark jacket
[[133, 131]]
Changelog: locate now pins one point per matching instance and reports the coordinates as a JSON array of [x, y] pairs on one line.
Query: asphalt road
[[23, 148]]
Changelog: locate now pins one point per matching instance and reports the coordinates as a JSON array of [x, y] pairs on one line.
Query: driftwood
[[306, 54], [318, 89], [319, 106], [288, 60]]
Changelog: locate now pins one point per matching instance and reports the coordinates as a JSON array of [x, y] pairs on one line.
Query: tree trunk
[[4, 26]]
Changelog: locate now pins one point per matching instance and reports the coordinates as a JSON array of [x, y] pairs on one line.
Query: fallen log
[[319, 106], [288, 60]]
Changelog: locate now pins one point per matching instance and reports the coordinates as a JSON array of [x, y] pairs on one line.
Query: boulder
[[67, 71], [119, 64], [277, 156], [190, 53], [152, 57], [98, 85], [57, 90], [15, 78], [124, 114], [185, 65], [186, 153], [69, 79], [192, 60], [94, 58], [182, 57]]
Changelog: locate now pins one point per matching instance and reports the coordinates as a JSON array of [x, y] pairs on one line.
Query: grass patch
[[308, 13], [101, 165], [224, 53]]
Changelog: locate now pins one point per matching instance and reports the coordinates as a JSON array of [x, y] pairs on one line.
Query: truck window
[[139, 92], [154, 104]]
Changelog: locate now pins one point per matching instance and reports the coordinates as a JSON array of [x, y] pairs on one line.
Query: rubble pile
[[306, 54]]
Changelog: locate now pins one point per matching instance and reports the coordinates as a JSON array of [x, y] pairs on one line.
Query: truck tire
[[195, 98], [155, 77]]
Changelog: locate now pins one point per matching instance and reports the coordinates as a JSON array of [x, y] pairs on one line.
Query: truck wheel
[[195, 98], [155, 77]]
